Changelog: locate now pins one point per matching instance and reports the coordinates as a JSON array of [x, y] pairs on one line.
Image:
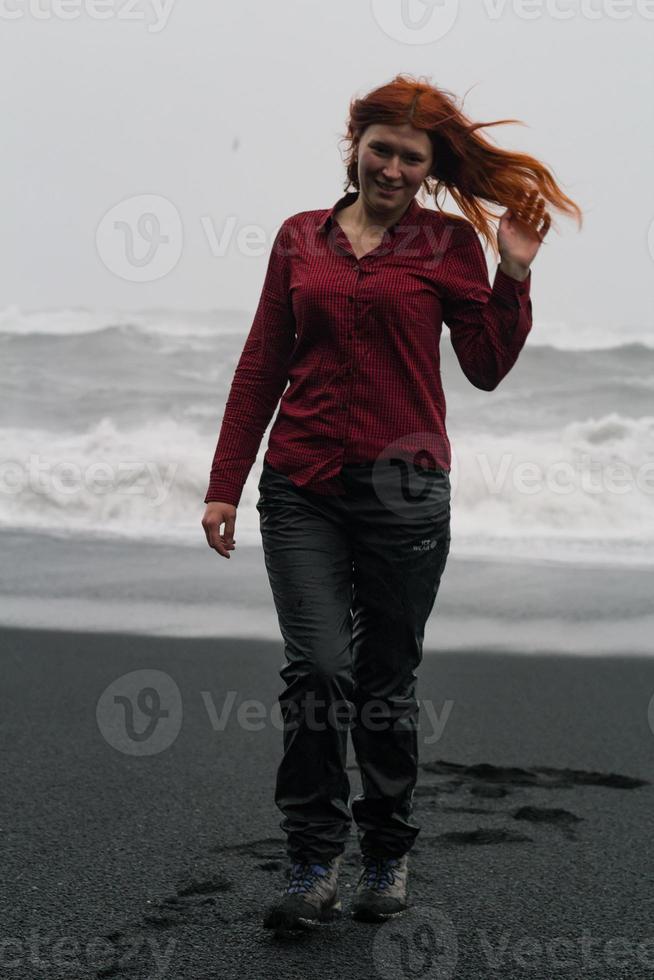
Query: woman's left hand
[[521, 232]]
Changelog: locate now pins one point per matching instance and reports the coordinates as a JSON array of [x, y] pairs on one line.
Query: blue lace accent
[[379, 872], [303, 877]]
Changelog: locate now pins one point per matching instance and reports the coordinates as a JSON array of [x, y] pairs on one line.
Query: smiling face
[[393, 161]]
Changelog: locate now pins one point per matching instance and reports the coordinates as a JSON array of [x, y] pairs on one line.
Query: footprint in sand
[[486, 781], [144, 944], [205, 901]]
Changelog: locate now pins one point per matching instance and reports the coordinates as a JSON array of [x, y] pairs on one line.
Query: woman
[[354, 496]]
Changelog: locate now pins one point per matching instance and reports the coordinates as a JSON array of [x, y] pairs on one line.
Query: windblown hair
[[465, 164]]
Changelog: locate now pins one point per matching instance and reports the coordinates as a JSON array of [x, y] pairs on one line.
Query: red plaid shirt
[[358, 340]]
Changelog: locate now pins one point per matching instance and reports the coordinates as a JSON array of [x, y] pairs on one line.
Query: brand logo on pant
[[425, 545]]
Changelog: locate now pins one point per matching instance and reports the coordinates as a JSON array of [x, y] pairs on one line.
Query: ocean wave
[[590, 482], [563, 335], [587, 487], [79, 320], [557, 335]]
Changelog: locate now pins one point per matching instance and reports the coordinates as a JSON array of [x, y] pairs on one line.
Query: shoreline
[[537, 637], [159, 589]]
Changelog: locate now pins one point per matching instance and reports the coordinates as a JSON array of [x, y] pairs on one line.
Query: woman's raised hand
[[522, 230], [216, 514]]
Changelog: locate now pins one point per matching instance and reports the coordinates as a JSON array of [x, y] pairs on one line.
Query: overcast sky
[[206, 117]]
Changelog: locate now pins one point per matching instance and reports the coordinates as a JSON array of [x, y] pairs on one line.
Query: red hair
[[464, 162]]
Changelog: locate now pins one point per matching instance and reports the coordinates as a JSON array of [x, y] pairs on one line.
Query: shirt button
[[350, 299]]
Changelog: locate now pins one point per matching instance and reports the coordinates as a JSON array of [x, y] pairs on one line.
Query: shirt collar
[[411, 212]]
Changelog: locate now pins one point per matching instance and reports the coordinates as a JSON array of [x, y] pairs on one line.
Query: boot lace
[[303, 876], [379, 873]]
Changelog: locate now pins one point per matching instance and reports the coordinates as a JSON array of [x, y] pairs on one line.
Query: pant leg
[[400, 554], [309, 564]]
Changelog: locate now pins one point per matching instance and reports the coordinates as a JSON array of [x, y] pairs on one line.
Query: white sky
[[98, 111]]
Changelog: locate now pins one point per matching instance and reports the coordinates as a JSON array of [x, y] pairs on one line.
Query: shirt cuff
[[224, 491], [512, 291]]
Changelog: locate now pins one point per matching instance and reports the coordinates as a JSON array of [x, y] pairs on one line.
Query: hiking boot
[[310, 897], [382, 888]]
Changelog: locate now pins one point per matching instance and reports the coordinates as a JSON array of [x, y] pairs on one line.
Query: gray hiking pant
[[354, 578]]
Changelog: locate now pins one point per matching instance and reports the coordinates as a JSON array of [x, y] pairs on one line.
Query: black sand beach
[[535, 796]]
